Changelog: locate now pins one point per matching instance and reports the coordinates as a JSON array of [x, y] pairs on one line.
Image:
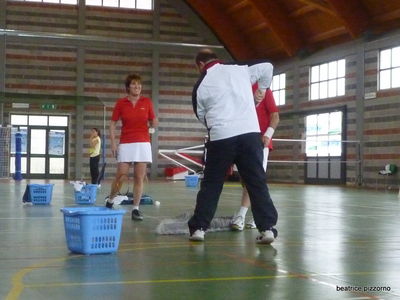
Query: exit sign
[[49, 106]]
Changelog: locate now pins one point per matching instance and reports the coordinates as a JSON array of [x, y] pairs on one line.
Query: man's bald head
[[205, 55]]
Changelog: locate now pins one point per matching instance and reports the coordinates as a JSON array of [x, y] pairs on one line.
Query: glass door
[[44, 145], [37, 152]]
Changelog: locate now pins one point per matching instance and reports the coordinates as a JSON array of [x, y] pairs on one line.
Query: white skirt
[[134, 152]]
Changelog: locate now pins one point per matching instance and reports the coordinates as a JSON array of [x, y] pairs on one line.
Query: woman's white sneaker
[[237, 223]]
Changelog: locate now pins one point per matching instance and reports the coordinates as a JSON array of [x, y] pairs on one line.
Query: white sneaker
[[266, 237], [198, 235], [237, 223], [251, 224]]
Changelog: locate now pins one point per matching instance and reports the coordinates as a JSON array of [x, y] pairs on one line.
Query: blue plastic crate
[[93, 229], [191, 180], [40, 193], [87, 195]]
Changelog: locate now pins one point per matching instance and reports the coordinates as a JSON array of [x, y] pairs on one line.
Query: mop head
[[179, 225]]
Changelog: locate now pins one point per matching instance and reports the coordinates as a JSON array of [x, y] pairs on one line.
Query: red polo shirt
[[264, 110], [134, 119]]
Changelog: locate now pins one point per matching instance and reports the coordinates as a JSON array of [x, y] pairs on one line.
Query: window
[[278, 88], [389, 68], [138, 4], [327, 80], [73, 2], [324, 134]]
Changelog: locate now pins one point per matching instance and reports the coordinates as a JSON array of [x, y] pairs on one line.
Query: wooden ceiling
[[280, 29]]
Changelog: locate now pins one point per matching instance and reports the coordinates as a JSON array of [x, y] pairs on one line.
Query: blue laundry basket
[[92, 229], [40, 193], [87, 195], [191, 180]]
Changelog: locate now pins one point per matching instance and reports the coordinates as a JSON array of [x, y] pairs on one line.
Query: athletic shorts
[[134, 152]]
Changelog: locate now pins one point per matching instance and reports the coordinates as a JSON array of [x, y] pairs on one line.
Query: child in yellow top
[[94, 152]]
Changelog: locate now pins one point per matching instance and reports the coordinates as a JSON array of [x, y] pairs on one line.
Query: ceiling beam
[[259, 26], [321, 5], [224, 27], [282, 28], [327, 35], [302, 11], [388, 16], [236, 6], [352, 14]]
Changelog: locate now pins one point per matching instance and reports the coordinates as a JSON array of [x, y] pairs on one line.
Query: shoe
[[251, 225], [197, 236], [137, 215], [267, 236], [237, 223], [109, 204]]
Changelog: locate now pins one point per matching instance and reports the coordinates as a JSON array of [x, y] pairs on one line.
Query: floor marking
[[293, 274]]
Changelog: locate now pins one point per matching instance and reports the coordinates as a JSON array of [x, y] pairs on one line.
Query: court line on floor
[[296, 274], [18, 286]]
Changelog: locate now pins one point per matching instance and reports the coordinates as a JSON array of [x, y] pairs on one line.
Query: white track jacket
[[223, 98]]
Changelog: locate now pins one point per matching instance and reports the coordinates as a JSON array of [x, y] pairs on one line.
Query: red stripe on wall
[[40, 87], [382, 156], [175, 111], [285, 107], [42, 5], [382, 131], [118, 10], [40, 57], [327, 101], [389, 93], [177, 65], [117, 63], [181, 138], [371, 72], [177, 93]]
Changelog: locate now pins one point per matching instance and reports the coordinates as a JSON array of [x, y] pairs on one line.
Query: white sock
[[110, 200], [243, 211], [136, 207]]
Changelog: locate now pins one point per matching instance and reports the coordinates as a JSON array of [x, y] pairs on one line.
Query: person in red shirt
[[136, 114], [268, 119]]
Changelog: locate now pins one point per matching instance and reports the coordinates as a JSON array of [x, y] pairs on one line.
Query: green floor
[[330, 238]]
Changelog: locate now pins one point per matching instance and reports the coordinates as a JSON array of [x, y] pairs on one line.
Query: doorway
[[44, 146]]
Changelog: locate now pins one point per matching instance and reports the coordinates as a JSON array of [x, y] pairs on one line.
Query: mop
[[178, 225]]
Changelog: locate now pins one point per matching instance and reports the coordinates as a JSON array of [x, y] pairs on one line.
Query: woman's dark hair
[[130, 78], [97, 130]]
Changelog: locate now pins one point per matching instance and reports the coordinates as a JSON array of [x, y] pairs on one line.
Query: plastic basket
[[40, 193], [93, 229], [87, 195], [191, 180]]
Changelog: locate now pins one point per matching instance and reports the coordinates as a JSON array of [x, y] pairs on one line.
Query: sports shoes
[[237, 223], [137, 215], [197, 236], [267, 236], [251, 224], [109, 204]]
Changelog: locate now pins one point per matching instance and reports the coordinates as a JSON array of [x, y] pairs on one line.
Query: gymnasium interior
[[332, 175]]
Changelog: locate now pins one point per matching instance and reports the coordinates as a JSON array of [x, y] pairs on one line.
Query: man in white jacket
[[223, 102]]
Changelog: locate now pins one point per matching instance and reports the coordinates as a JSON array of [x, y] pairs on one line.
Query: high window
[[135, 4], [278, 88], [389, 68], [328, 80]]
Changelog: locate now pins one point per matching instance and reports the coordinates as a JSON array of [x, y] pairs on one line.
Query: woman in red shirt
[[136, 114]]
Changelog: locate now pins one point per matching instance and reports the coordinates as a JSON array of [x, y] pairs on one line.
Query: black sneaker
[[137, 215], [109, 204]]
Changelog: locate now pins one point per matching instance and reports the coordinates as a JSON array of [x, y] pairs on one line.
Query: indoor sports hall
[[68, 229]]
